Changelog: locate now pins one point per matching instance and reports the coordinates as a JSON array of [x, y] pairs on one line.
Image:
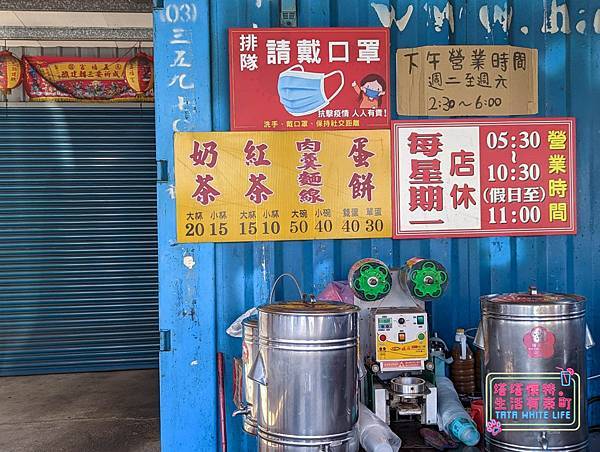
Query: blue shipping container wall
[[198, 303]]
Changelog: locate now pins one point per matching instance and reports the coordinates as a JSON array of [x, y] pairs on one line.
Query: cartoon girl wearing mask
[[370, 91]]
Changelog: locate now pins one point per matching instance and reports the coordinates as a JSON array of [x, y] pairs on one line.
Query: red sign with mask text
[[309, 78]]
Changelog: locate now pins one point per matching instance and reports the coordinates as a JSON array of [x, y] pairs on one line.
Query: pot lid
[[299, 307], [251, 321], [532, 298]]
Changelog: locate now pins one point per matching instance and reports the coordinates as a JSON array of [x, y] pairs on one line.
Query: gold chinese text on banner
[[248, 186], [466, 81]]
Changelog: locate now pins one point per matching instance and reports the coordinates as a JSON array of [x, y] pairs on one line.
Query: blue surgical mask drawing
[[302, 93], [371, 93]]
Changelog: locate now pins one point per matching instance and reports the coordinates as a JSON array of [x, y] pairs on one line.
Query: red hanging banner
[[73, 79]]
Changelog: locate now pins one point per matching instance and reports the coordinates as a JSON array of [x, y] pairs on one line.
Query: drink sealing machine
[[394, 337]]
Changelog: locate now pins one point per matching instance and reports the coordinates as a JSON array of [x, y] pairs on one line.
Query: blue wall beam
[[186, 272]]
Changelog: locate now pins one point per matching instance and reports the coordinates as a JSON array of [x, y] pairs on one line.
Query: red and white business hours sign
[[463, 178], [309, 78]]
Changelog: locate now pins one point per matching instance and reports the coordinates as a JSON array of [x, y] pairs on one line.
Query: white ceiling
[[77, 20]]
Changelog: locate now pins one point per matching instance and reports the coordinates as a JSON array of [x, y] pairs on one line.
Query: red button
[[383, 338]]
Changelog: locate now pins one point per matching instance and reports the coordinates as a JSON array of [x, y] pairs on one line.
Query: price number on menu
[[520, 140], [523, 215], [369, 225], [324, 226], [262, 227], [301, 226], [211, 229]]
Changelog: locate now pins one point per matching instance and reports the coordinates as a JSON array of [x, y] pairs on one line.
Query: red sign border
[[473, 233], [232, 30]]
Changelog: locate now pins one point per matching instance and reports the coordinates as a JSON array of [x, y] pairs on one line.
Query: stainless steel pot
[[307, 374], [250, 387], [534, 371]]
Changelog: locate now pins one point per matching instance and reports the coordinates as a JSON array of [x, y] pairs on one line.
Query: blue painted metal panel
[[187, 305], [234, 277], [78, 252]]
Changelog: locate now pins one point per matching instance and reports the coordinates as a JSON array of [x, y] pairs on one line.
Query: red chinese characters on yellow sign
[[247, 186]]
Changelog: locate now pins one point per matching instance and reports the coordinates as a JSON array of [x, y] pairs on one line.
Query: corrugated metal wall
[[78, 246], [78, 283], [230, 278]]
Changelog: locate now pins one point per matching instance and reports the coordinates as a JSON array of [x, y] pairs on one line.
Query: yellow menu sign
[[248, 186]]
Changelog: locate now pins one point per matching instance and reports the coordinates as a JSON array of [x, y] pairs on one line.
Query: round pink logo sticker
[[539, 342]]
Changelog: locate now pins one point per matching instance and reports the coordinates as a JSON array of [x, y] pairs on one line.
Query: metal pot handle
[[479, 342], [279, 278], [589, 339], [258, 372]]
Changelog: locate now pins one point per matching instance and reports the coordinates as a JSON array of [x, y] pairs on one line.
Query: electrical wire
[[279, 278], [593, 400], [593, 428], [439, 339], [468, 335]]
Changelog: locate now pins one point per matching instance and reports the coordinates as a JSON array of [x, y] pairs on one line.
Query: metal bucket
[[534, 377], [307, 371], [250, 387]]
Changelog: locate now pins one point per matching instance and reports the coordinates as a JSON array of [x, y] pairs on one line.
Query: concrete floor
[[86, 412]]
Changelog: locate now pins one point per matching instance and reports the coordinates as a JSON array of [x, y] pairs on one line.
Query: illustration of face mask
[[302, 93], [371, 93]]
